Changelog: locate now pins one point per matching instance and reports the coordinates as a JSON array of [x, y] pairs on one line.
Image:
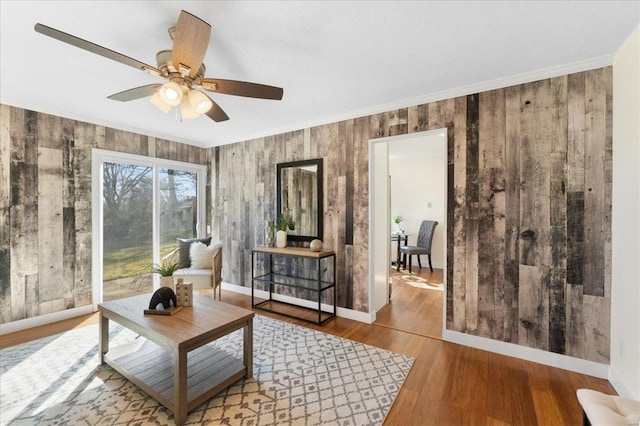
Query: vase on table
[[281, 239]]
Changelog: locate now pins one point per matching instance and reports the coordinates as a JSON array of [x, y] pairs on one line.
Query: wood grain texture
[[594, 181], [512, 214], [5, 209], [529, 198], [533, 302], [359, 252], [450, 217], [448, 384], [50, 224], [456, 288], [519, 211], [45, 207], [574, 341], [414, 308]]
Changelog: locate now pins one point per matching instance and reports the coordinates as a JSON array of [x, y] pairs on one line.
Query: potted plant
[[286, 222], [165, 268], [397, 220]]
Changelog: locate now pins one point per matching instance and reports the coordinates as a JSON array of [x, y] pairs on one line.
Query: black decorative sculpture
[[165, 296]]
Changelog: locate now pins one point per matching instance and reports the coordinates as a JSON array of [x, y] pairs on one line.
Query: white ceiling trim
[[589, 64], [92, 120]]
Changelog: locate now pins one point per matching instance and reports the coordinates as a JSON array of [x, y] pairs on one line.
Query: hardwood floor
[[416, 302], [448, 384]]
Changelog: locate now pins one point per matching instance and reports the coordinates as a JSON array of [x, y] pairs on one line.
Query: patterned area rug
[[301, 377]]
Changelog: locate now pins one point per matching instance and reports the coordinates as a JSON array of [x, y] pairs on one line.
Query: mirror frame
[[317, 162]]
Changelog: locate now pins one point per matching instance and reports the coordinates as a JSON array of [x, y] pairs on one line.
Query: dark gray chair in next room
[[423, 246]]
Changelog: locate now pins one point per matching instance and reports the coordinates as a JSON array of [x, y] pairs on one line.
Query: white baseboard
[[620, 386], [530, 354], [40, 320], [24, 324], [355, 315], [340, 312]]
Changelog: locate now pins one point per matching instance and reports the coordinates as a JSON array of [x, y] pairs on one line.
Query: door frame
[[101, 156], [378, 191]]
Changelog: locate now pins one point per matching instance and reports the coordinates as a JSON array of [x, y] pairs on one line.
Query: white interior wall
[[379, 200], [625, 289], [418, 189]]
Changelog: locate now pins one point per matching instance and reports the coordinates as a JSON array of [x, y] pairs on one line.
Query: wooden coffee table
[[171, 364]]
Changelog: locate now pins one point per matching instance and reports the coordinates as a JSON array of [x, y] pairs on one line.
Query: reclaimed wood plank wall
[[529, 207], [45, 206]]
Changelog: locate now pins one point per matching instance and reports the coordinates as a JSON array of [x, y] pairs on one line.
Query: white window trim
[[98, 158]]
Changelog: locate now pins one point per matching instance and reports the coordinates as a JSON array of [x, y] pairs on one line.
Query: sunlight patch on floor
[[419, 282]]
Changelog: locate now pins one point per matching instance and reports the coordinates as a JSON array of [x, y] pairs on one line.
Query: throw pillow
[[201, 255], [184, 245]]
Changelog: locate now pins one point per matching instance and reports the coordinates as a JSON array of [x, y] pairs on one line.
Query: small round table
[[400, 238]]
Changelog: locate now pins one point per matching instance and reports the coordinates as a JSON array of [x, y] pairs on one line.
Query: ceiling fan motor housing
[[179, 75]]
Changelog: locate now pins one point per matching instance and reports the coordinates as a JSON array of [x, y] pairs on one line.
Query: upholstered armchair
[[201, 265]]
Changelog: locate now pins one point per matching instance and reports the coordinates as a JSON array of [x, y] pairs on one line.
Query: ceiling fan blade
[[190, 42], [242, 88], [135, 93], [215, 112], [94, 48]]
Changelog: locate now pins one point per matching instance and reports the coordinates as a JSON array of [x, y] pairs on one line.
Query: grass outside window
[[131, 261]]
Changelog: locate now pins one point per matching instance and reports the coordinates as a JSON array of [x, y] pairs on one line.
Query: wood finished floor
[[416, 303], [448, 384]]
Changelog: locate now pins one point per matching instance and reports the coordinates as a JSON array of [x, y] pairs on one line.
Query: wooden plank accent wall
[[529, 207], [45, 206]]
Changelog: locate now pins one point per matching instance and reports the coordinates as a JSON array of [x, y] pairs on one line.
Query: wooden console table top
[[295, 251]]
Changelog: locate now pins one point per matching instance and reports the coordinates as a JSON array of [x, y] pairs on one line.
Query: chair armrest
[[172, 257], [216, 266]]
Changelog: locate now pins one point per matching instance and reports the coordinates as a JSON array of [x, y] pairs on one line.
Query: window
[[140, 206]]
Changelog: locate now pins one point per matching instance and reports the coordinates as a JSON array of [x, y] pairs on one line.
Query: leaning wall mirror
[[299, 195]]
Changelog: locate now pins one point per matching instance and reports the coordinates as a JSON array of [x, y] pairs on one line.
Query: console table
[[277, 278]]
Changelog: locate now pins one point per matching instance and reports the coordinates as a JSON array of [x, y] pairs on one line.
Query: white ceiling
[[335, 60]]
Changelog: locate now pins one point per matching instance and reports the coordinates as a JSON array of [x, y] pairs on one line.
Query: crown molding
[[556, 71], [92, 120], [589, 64]]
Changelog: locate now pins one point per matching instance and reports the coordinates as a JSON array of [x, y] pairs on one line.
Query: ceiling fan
[[183, 69]]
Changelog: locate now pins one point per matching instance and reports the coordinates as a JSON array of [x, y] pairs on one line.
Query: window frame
[[101, 156]]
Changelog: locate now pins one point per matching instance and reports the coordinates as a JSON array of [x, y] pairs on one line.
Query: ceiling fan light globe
[[203, 107], [171, 93], [157, 101], [199, 101], [186, 110]]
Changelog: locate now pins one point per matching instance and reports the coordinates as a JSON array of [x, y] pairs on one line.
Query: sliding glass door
[[178, 207], [127, 212], [144, 204]]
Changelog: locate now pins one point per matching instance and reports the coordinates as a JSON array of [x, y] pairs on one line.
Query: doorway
[[140, 206], [415, 166]]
